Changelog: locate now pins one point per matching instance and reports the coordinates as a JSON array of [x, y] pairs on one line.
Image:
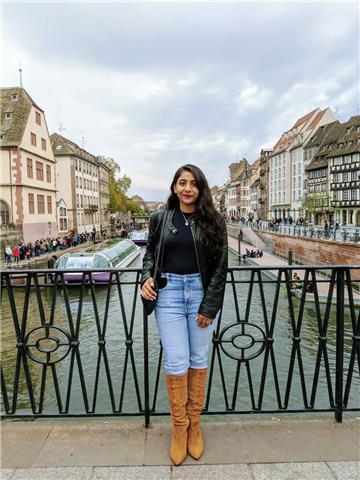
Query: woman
[[193, 259]]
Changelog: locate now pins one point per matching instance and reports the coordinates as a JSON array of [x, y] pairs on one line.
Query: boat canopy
[[108, 254]]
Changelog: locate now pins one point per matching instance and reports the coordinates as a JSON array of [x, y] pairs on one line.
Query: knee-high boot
[[177, 387], [196, 394]]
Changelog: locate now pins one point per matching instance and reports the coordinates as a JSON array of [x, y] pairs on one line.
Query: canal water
[[124, 376]]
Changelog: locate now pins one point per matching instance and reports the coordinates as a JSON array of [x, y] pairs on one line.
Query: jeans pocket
[[163, 282]]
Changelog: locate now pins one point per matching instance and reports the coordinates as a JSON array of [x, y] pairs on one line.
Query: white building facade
[[287, 181], [77, 184]]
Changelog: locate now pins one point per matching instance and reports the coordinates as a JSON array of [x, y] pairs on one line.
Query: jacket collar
[[170, 216]]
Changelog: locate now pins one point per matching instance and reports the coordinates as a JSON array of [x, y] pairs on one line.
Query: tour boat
[[139, 237], [112, 254]]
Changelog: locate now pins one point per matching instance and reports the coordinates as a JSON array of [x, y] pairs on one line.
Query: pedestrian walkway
[[269, 260], [269, 448]]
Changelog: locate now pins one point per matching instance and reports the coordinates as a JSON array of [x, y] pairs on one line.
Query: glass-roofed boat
[[112, 253]]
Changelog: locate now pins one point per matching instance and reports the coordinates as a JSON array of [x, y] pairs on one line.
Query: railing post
[[339, 344], [239, 245], [290, 257], [146, 370]]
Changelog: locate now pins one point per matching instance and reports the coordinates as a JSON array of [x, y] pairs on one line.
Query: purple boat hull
[[78, 277]]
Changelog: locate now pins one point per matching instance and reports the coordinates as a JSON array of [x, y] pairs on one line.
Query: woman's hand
[[203, 320], [147, 290]]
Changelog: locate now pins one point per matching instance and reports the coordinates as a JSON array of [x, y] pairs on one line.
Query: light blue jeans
[[185, 344]]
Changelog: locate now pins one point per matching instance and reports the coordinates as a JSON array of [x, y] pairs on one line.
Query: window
[[336, 177], [43, 143], [63, 224], [354, 194], [346, 195], [14, 97], [39, 171], [49, 204], [41, 203], [38, 118], [77, 181], [77, 200], [81, 182], [31, 203], [33, 139], [354, 175], [8, 115], [48, 173], [345, 177], [29, 164]]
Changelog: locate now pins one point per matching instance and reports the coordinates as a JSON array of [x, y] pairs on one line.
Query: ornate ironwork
[[235, 340], [91, 350], [47, 344]]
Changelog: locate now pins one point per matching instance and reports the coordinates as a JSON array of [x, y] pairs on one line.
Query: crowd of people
[[27, 250], [275, 222], [252, 253]]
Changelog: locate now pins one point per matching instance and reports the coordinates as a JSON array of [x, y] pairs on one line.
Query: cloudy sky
[[159, 84]]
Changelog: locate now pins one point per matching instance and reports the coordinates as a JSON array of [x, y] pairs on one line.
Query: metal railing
[[88, 349], [341, 234]]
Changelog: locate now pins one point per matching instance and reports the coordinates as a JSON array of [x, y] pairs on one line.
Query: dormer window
[[2, 136], [348, 130], [14, 97], [38, 118], [8, 115], [58, 147]]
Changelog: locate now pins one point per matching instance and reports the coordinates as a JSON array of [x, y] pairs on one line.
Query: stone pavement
[[269, 448]]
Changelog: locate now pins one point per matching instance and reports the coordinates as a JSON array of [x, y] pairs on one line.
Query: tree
[[118, 186]]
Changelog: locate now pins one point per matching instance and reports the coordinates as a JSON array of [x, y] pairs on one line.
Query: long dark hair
[[206, 215]]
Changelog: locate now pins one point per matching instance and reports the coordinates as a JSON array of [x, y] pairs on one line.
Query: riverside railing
[[88, 349], [348, 234]]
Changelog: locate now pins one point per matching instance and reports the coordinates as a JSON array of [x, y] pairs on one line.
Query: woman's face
[[186, 190]]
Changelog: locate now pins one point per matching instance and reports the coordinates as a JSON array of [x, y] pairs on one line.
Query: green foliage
[[133, 207], [119, 185]]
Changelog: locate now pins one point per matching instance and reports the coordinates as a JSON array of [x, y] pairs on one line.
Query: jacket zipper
[[196, 253]]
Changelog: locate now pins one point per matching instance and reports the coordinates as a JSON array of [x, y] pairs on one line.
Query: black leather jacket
[[213, 275]]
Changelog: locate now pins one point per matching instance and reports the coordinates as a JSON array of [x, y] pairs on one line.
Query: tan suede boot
[[196, 393], [177, 388]]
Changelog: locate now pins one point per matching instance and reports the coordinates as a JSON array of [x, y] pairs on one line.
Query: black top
[[179, 249]]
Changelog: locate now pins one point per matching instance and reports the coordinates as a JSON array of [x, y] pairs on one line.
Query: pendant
[[186, 223]]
